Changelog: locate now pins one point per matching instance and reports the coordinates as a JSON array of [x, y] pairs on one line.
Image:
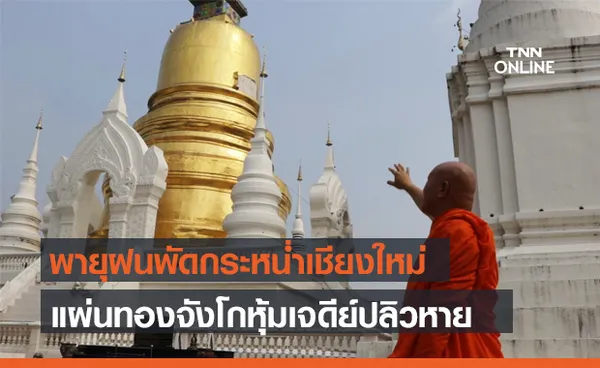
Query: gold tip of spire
[[38, 126], [263, 72], [329, 143], [122, 75], [299, 172]]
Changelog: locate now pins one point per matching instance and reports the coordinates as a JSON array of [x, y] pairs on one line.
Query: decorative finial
[[463, 40], [329, 135], [39, 123], [299, 172], [263, 72], [122, 76]]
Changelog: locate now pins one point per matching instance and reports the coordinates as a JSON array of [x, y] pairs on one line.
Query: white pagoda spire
[[256, 195], [298, 229], [329, 162], [117, 105], [21, 221]]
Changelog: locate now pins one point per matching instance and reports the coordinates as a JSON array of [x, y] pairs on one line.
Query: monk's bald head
[[450, 185], [459, 174]]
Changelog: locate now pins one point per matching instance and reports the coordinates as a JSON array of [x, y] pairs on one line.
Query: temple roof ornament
[[328, 200], [137, 178], [117, 105], [329, 159], [122, 75], [206, 9], [298, 228], [463, 39]]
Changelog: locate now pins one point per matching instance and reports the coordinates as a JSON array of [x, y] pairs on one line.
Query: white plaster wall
[[486, 162], [555, 140], [530, 139]]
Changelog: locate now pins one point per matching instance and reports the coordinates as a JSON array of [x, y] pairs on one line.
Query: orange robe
[[473, 266]]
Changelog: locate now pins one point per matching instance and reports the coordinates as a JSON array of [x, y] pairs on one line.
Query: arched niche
[[137, 177], [329, 212]]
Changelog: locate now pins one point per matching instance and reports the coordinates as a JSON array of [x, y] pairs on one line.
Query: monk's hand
[[401, 177]]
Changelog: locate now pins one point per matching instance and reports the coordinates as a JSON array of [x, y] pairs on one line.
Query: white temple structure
[[530, 139], [138, 179], [20, 229], [516, 131], [138, 175], [251, 218], [523, 135]]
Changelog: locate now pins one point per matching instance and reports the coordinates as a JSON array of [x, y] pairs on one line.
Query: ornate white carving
[[137, 179], [329, 213], [154, 167]]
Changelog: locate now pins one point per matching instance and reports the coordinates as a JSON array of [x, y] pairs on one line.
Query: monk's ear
[[444, 189]]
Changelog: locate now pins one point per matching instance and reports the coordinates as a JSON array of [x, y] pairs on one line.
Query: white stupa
[[256, 195], [21, 221], [531, 140]]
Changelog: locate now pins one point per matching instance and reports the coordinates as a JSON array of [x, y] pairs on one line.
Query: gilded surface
[[208, 52], [284, 207], [102, 231], [203, 125]]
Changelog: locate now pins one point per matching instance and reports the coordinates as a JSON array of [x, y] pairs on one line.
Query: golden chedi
[[102, 231], [202, 116]]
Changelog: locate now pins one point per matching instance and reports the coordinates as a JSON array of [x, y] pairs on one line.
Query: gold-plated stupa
[[202, 116]]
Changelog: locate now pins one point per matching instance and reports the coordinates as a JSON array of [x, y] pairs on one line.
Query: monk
[[447, 199]]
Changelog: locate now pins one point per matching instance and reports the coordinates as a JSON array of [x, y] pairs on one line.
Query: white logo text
[[531, 66]]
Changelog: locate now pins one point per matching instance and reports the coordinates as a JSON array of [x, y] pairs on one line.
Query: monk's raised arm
[[403, 181], [416, 194]]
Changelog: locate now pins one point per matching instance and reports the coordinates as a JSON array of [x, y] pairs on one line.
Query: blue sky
[[376, 69]]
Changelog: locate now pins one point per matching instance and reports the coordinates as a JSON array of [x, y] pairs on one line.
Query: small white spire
[[21, 221], [117, 104], [298, 228], [329, 162], [256, 195]]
